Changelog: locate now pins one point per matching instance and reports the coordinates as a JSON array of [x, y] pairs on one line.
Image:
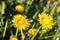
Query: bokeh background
[[31, 9]]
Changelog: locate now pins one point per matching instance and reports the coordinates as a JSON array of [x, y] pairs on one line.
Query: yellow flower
[[19, 8], [20, 22], [13, 38], [57, 9], [31, 32], [45, 20], [58, 0]]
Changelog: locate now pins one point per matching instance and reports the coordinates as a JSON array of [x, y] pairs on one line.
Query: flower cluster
[[29, 19]]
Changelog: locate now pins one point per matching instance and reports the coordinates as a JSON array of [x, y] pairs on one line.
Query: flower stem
[[36, 33], [34, 16], [28, 6], [52, 11], [5, 29], [22, 35], [16, 32], [40, 36]]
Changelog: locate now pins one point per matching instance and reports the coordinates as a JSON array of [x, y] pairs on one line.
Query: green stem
[[33, 25], [28, 6], [52, 11], [34, 16], [47, 37], [16, 32], [29, 37], [5, 28], [40, 36], [22, 35], [55, 36], [2, 7], [58, 34], [36, 33]]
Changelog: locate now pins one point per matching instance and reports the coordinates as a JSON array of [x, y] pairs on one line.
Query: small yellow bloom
[[58, 1], [13, 38], [57, 9], [20, 22], [19, 8], [31, 32], [45, 20]]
